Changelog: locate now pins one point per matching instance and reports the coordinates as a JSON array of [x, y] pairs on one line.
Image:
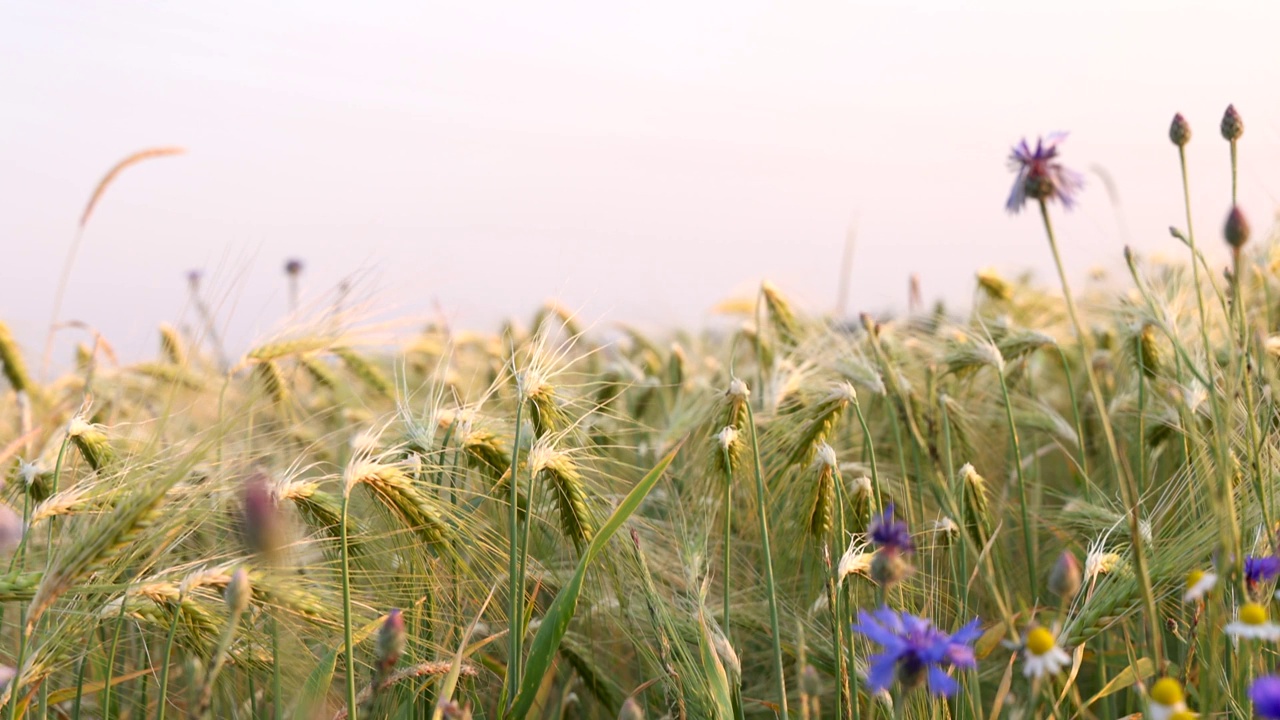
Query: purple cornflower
[[914, 649], [1260, 569], [889, 534], [1040, 176], [1265, 694]]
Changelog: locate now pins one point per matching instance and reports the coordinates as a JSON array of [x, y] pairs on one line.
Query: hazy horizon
[[637, 163]]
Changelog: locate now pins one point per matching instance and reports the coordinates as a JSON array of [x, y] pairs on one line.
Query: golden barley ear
[[171, 345], [11, 362], [100, 541]]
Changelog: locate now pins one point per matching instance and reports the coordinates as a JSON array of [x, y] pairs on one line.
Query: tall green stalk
[[348, 637], [1231, 530], [107, 685], [728, 538], [515, 583], [1125, 479], [1244, 377], [770, 588], [163, 694], [1016, 447]]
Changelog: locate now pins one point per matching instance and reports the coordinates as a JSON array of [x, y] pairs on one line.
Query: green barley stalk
[[1129, 491], [780, 676], [730, 446], [347, 632], [515, 582]]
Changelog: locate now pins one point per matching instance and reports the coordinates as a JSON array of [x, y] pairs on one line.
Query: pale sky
[[637, 161]]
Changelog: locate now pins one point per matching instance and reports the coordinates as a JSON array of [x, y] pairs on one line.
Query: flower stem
[[780, 674], [515, 610], [1227, 535], [348, 636], [728, 535], [1016, 448], [163, 694], [1125, 479]]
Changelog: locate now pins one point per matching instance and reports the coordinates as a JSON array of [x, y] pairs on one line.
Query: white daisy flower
[[1042, 655], [1166, 700], [1199, 583], [1252, 623]]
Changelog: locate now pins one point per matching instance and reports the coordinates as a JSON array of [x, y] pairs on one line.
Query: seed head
[[1236, 230], [11, 529], [1148, 350], [238, 592], [1066, 577], [631, 710], [810, 681], [1179, 131], [1232, 124], [727, 654], [293, 267], [888, 568], [996, 287], [262, 524], [391, 641]]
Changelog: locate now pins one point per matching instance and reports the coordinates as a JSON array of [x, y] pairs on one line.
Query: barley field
[[1052, 504]]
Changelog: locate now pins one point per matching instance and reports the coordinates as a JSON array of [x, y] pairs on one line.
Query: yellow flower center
[[1039, 641], [1253, 614], [1183, 715], [1167, 692], [1194, 577]]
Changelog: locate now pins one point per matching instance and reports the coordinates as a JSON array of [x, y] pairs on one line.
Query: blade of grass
[[556, 621]]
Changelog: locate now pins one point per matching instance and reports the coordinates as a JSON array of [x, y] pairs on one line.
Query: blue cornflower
[[914, 649], [1040, 176], [889, 534], [1265, 694], [1260, 569]]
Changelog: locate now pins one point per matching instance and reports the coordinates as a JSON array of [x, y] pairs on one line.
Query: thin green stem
[[1234, 175], [1228, 535], [727, 546], [1075, 410], [348, 636], [515, 603], [1140, 442], [1124, 478], [163, 695], [277, 690], [1016, 448], [770, 588], [111, 656], [1245, 378], [869, 443]]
